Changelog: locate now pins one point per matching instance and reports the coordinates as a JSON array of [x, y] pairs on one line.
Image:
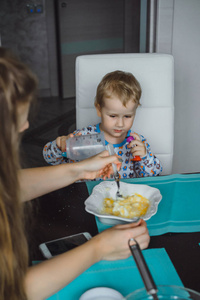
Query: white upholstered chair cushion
[[155, 118]]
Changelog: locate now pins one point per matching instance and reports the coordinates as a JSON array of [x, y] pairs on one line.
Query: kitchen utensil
[[143, 268], [116, 173]]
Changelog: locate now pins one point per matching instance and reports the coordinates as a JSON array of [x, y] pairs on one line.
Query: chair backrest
[[155, 117]]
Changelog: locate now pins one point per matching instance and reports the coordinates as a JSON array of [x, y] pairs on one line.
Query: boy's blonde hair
[[121, 84]]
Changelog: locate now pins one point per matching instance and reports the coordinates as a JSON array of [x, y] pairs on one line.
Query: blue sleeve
[[52, 154]]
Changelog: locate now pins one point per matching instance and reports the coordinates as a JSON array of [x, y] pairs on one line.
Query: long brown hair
[[17, 86]]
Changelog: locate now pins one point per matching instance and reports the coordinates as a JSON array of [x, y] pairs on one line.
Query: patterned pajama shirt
[[148, 166]]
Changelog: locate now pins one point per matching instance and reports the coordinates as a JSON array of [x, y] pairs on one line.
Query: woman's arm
[[39, 181], [46, 278]]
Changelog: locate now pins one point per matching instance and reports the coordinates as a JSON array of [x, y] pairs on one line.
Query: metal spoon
[[118, 194], [116, 173], [143, 268]]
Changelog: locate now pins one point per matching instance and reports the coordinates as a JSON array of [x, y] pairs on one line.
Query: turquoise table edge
[[145, 180], [156, 226]]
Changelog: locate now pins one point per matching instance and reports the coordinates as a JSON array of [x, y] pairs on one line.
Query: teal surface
[[121, 275], [179, 209]]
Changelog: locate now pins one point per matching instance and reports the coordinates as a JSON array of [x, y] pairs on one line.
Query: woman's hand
[[35, 182], [112, 244], [136, 146], [99, 165], [61, 140]]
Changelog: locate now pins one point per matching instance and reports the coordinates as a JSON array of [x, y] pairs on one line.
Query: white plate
[[101, 293], [108, 189]]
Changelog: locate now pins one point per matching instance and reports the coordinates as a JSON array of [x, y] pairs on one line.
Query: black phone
[[59, 246]]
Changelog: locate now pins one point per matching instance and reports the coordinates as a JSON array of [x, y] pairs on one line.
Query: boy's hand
[[61, 140], [137, 146]]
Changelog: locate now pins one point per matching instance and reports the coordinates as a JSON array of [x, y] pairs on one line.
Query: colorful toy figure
[[129, 139]]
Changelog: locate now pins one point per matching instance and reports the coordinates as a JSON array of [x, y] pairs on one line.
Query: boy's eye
[[128, 117], [112, 116]]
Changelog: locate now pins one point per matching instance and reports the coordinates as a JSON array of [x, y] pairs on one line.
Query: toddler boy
[[117, 98]]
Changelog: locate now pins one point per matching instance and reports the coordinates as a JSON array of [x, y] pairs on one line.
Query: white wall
[[178, 26]]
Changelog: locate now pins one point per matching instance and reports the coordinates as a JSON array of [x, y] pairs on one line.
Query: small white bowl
[[101, 293], [108, 189]]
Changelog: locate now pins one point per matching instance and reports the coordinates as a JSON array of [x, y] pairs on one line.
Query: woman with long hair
[[18, 282]]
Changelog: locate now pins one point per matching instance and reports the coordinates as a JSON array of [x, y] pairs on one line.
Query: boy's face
[[116, 119]]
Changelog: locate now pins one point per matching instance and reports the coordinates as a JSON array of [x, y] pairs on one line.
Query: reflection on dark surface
[[59, 214]]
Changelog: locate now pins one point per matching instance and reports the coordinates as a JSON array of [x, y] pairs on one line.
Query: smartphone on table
[[59, 246]]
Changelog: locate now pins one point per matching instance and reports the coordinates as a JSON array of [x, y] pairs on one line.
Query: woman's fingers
[[99, 165], [115, 239], [129, 225]]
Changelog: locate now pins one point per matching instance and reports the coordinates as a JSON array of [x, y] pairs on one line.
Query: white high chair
[[155, 117]]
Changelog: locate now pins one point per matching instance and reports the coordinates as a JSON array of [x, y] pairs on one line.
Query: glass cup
[[165, 292]]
